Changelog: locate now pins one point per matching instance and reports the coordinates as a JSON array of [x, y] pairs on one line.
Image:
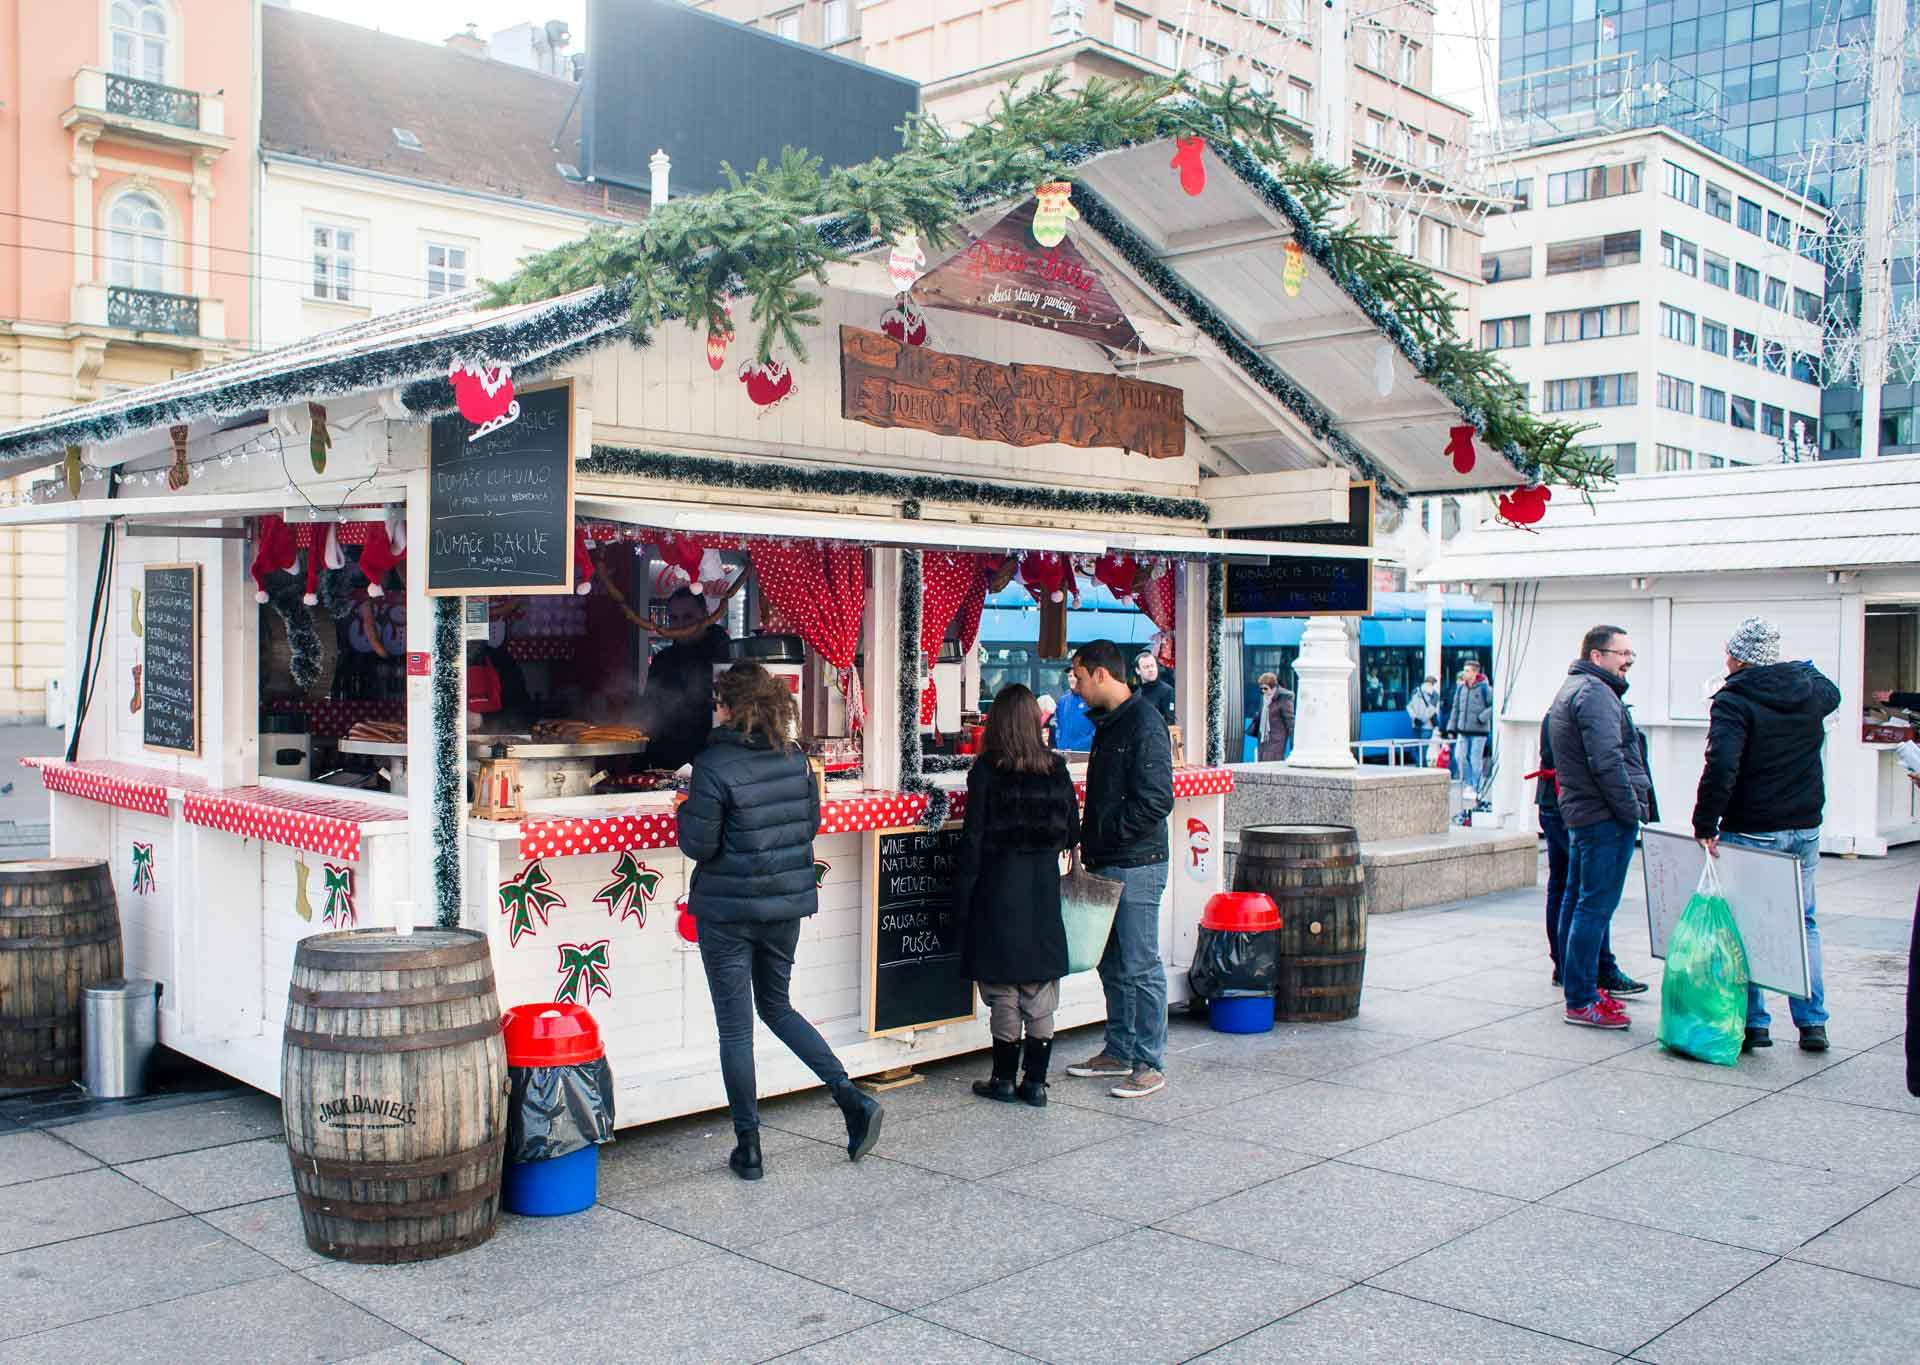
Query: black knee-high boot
[[1033, 1086], [1006, 1063]]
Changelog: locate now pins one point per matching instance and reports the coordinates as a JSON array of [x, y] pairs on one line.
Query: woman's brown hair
[[1013, 742], [758, 703]]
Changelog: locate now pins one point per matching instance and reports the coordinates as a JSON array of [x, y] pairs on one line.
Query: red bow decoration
[[1460, 446], [1524, 506], [1187, 161]]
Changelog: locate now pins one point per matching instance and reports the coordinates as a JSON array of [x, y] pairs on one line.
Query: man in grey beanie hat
[[1762, 786]]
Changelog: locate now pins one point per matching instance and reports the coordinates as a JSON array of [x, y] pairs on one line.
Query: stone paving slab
[[63, 1207], [1876, 1079], [1827, 1135], [903, 1339], [1879, 1240], [985, 1138], [1798, 1312], [1323, 1119], [217, 1177], [28, 1155], [1423, 1016], [1623, 1101], [155, 1131], [1481, 1150], [271, 1227], [1465, 1073], [1145, 1177]]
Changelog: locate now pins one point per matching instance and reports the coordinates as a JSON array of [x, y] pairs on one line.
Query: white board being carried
[[1762, 887]]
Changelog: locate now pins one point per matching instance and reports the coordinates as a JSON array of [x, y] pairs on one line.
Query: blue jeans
[[1803, 844], [1598, 857], [1559, 857], [748, 966], [1131, 971], [1473, 759]]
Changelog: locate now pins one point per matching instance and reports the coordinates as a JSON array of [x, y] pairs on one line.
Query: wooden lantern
[[496, 789]]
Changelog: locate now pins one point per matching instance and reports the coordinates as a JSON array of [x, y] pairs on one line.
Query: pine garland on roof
[[772, 233]]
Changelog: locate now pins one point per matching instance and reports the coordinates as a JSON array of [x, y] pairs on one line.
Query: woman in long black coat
[[1021, 814]]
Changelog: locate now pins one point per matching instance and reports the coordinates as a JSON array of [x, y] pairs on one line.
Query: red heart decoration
[[482, 392]]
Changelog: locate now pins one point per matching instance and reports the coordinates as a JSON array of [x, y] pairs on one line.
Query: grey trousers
[[1008, 1006]]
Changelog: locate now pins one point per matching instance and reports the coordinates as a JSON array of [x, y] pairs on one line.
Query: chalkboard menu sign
[[1294, 585], [912, 953], [501, 507], [170, 658]]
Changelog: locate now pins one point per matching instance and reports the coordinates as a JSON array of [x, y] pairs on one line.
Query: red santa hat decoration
[[385, 548], [582, 560], [325, 549], [691, 564], [272, 554], [1048, 575]]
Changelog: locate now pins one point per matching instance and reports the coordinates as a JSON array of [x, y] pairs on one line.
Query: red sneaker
[[1602, 1013]]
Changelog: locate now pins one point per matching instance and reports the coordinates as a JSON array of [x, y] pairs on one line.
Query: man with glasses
[[1604, 792]]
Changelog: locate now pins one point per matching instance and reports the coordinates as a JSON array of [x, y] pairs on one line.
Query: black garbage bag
[[557, 1110], [1229, 963]]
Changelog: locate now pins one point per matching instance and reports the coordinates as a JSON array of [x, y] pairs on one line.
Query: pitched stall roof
[[1829, 515], [335, 92]]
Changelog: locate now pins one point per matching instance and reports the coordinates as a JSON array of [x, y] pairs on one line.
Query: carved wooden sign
[[886, 384]]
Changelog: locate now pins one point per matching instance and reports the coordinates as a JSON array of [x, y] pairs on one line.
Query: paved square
[[1454, 1175]]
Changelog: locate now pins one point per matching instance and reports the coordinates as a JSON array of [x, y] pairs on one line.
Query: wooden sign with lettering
[[886, 384]]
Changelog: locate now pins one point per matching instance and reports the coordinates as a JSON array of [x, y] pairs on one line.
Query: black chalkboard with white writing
[[501, 507], [913, 956], [1296, 585], [170, 658]]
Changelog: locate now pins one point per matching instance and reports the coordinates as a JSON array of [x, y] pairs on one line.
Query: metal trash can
[[119, 1027]]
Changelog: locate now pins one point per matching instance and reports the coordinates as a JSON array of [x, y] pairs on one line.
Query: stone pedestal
[[1323, 708], [1380, 803]]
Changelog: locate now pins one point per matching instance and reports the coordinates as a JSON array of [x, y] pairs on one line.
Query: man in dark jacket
[[1601, 773], [676, 710], [1471, 720], [1123, 836], [1154, 689], [1762, 787]]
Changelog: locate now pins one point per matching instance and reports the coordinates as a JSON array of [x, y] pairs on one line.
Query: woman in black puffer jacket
[[1021, 814], [748, 824]]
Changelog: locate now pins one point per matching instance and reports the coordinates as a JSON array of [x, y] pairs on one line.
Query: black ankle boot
[[745, 1158], [1006, 1062], [863, 1119], [1033, 1086]]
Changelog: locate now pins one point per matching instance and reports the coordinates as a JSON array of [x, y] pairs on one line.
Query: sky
[[432, 20]]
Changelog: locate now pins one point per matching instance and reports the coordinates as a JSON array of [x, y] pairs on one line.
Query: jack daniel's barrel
[[59, 934], [1314, 875], [393, 1081]]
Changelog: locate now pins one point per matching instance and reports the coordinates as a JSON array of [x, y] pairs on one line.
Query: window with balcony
[[1713, 336], [1260, 9], [1261, 80], [1676, 324], [1740, 413], [836, 22], [1713, 404], [1675, 395], [1746, 282], [1672, 459], [1593, 253], [1126, 31], [1593, 182], [1439, 243], [1589, 324], [1715, 270], [1776, 293], [1376, 132], [1593, 391], [446, 269], [1719, 202], [1377, 49], [1677, 253], [1209, 64], [1504, 334], [1067, 18], [137, 242], [336, 262], [140, 31], [1683, 184]]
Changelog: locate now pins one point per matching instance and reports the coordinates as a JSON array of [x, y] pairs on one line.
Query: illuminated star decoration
[[143, 882], [583, 967], [526, 895], [820, 866], [338, 907], [633, 885]]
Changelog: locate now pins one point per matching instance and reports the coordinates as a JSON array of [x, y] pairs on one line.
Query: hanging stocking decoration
[[1524, 506], [337, 909], [133, 706], [685, 558], [718, 340], [1460, 446], [272, 554], [319, 439], [178, 474], [583, 971], [582, 561], [73, 471], [302, 904], [1116, 572], [905, 261], [1054, 209], [767, 382], [1294, 273], [484, 395], [904, 322], [1188, 161]]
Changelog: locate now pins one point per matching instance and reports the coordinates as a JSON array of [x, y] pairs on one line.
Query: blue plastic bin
[[563, 1184], [1241, 1014]]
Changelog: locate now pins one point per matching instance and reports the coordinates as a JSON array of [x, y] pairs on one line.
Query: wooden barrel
[[59, 934], [393, 1081], [1314, 875]]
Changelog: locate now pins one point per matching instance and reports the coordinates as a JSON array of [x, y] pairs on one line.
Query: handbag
[[1087, 906]]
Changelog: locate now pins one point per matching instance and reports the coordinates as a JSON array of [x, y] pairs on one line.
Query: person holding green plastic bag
[[1703, 992], [1762, 787]]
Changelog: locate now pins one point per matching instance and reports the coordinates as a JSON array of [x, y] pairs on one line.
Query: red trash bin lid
[[552, 1034], [1243, 912]]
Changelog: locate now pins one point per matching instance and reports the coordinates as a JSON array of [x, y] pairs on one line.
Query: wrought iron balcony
[[151, 100], [149, 310]]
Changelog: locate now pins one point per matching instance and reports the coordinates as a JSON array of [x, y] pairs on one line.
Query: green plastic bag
[[1703, 994]]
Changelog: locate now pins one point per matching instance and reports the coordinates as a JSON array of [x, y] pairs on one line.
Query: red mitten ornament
[[272, 554], [1460, 446], [1524, 506], [766, 383], [905, 261], [1187, 160]]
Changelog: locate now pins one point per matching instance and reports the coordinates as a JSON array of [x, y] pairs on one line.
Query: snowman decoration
[[1199, 863], [1053, 208]]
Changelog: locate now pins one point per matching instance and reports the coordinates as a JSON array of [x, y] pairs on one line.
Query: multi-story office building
[[1650, 287], [1747, 80]]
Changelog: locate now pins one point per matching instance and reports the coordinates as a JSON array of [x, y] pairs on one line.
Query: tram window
[[1454, 658], [1388, 675]]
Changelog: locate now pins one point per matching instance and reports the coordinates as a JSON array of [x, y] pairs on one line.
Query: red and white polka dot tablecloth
[[332, 719], [1201, 782], [125, 785], [318, 824], [545, 650], [565, 837]]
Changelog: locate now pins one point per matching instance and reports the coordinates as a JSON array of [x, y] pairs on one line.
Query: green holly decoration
[[338, 906], [583, 970], [632, 887], [820, 866], [529, 894]]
